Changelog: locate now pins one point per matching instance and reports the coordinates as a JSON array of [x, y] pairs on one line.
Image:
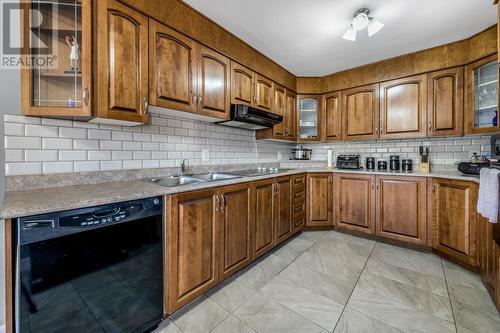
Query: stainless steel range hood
[[244, 116]]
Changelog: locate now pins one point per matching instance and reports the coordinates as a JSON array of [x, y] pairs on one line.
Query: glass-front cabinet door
[[57, 37], [308, 118], [482, 96]]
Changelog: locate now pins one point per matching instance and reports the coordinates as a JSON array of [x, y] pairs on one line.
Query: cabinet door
[[236, 212], [445, 109], [242, 84], [403, 108], [401, 208], [360, 108], [291, 114], [319, 200], [279, 107], [263, 93], [263, 234], [214, 93], [283, 206], [193, 246], [309, 118], [481, 96], [454, 219], [172, 68], [333, 116], [355, 203], [488, 255], [122, 62]]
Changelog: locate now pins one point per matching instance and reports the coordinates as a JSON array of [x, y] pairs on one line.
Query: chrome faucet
[[182, 168]]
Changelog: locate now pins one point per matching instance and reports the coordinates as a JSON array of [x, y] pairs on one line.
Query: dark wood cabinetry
[[283, 206], [279, 107], [355, 203], [454, 219], [263, 93], [445, 102], [122, 62], [298, 202], [290, 115], [319, 200], [263, 233], [402, 209], [333, 116], [488, 258], [250, 88], [360, 111], [309, 122]]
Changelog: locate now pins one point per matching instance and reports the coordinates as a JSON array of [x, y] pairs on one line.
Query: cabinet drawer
[[299, 195], [299, 221], [299, 180], [298, 208]]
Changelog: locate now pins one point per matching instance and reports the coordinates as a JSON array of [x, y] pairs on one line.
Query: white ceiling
[[305, 36]]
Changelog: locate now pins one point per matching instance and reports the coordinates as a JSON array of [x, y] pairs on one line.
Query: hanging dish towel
[[487, 202]]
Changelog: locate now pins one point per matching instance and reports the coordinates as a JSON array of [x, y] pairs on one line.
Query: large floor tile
[[312, 236], [200, 316], [473, 296], [353, 321], [475, 319], [458, 276], [422, 262], [167, 326], [254, 276], [351, 239], [417, 298], [232, 325], [299, 244], [273, 263], [403, 275], [341, 245], [268, 316], [319, 309], [396, 314], [230, 294], [286, 252], [326, 285]]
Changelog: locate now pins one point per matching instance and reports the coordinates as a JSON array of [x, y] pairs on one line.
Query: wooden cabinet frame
[[332, 114], [319, 201], [372, 133]]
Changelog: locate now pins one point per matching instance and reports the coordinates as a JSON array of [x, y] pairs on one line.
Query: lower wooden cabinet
[[355, 203], [488, 258], [402, 209], [319, 200], [263, 232], [298, 202], [283, 206], [454, 219]]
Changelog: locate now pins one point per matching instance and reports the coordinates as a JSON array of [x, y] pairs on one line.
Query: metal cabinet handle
[[330, 179], [195, 98], [217, 203], [86, 95], [430, 126], [377, 186], [145, 103], [200, 101], [373, 186], [223, 202]]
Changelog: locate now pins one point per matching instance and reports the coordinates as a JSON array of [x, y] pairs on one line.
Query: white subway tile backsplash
[[25, 168], [21, 142], [72, 155], [71, 132], [132, 164], [57, 122], [98, 155], [111, 165], [86, 166], [99, 134], [41, 131], [49, 143], [86, 144], [14, 156], [13, 129], [57, 167], [40, 155], [111, 145], [10, 118]]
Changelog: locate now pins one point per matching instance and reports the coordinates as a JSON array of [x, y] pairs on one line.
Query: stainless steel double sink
[[190, 179]]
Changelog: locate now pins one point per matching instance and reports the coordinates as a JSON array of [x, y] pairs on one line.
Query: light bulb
[[374, 26], [350, 34], [360, 21]]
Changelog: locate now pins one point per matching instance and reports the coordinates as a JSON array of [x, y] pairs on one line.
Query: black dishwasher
[[96, 269]]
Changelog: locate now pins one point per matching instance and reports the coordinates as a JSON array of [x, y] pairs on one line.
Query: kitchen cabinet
[[403, 108], [298, 202], [360, 112], [242, 84], [454, 219], [64, 90], [185, 75], [309, 118], [290, 115], [488, 258], [319, 200], [263, 233], [263, 93], [355, 203], [234, 206], [284, 104], [279, 107], [445, 102], [401, 208], [192, 246], [122, 62], [481, 96], [333, 116], [283, 206]]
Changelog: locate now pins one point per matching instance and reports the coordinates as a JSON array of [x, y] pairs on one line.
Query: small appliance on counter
[[382, 165], [476, 162], [407, 165], [394, 163], [301, 153], [370, 163], [424, 159], [348, 161]]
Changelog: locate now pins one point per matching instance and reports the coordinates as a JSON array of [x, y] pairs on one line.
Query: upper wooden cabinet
[[263, 93], [319, 200], [402, 208], [242, 84], [403, 108], [454, 219], [122, 62], [290, 115], [445, 102], [279, 107], [333, 116], [187, 76], [355, 203], [309, 118], [481, 96], [360, 109], [65, 89]]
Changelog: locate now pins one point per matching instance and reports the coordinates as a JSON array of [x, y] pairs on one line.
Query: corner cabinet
[[284, 104], [332, 105], [360, 112], [122, 62], [319, 200], [62, 88], [309, 118], [481, 96]]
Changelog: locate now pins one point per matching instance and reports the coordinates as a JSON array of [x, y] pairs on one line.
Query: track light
[[361, 21]]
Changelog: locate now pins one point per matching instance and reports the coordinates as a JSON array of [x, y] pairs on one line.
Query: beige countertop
[[45, 200]]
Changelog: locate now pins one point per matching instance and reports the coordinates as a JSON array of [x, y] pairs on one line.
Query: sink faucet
[[182, 168]]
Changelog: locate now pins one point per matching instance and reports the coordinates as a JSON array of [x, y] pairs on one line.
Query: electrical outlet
[[205, 155]]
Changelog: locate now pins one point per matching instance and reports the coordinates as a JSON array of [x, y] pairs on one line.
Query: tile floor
[[333, 282]]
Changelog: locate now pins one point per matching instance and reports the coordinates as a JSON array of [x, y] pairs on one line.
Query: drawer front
[[299, 221], [299, 195], [299, 208], [299, 181]]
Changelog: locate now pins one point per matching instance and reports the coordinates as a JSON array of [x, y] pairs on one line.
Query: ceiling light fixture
[[361, 21]]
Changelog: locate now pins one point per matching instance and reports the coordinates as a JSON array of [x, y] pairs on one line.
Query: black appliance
[[244, 116], [394, 163], [370, 163], [90, 270], [407, 165], [382, 165], [345, 161], [471, 168]]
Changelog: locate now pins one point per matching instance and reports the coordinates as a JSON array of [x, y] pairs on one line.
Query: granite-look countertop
[[45, 200]]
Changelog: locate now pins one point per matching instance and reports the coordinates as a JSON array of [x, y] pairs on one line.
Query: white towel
[[487, 202]]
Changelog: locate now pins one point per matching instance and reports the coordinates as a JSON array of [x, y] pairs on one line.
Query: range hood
[[244, 116]]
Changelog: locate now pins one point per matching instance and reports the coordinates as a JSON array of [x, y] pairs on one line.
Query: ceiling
[[305, 36]]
